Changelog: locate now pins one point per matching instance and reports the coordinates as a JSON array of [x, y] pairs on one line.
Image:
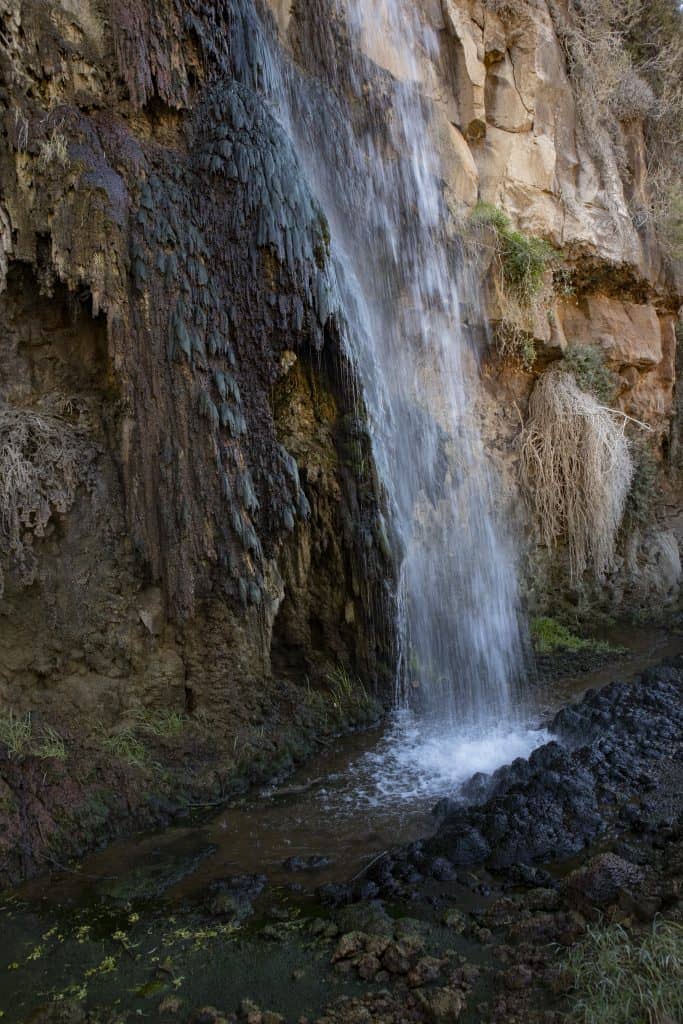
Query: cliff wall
[[189, 512]]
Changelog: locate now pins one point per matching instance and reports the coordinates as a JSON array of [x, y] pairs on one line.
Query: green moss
[[586, 363], [550, 636]]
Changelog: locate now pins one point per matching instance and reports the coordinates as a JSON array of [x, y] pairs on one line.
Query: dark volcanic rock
[[600, 772]]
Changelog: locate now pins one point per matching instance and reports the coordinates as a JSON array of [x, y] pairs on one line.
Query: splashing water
[[355, 88], [375, 168], [412, 766]]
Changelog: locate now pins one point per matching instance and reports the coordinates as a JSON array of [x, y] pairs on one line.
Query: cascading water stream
[[361, 122]]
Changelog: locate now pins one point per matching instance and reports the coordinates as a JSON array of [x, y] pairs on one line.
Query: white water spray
[[461, 652], [362, 127]]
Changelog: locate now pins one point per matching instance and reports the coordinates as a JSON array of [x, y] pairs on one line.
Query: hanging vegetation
[[42, 461], [524, 288], [577, 470]]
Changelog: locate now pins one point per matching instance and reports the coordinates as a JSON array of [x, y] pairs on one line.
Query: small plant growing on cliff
[[125, 746], [524, 259], [163, 723], [586, 364], [521, 272], [346, 692], [576, 470], [16, 732]]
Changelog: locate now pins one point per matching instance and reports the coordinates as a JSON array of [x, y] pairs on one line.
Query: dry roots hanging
[[576, 469]]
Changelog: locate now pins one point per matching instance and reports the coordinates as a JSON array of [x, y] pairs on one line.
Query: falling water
[[358, 113]]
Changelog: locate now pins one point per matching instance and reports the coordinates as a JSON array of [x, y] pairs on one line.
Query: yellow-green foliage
[[550, 636], [619, 978], [18, 735], [524, 259], [125, 746], [345, 691], [52, 745]]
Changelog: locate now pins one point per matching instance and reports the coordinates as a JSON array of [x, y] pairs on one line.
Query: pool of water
[[347, 805]]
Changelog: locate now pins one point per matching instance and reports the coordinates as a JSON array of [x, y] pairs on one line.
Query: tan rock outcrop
[[629, 334]]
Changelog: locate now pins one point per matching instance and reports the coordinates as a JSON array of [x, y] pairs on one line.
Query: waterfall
[[361, 121]]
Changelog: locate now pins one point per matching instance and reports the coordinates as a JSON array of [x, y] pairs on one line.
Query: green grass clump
[[52, 745], [524, 259], [618, 978], [163, 723], [549, 636], [586, 363], [16, 732], [125, 746], [346, 691]]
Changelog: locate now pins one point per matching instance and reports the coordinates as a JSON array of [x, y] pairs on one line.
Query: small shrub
[[618, 978], [549, 636], [576, 471], [52, 745], [586, 364], [16, 732], [524, 259]]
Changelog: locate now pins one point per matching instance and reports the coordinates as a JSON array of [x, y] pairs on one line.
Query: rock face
[[189, 508], [166, 318]]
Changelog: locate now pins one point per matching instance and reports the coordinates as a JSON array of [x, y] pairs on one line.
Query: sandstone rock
[[628, 334], [504, 106]]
